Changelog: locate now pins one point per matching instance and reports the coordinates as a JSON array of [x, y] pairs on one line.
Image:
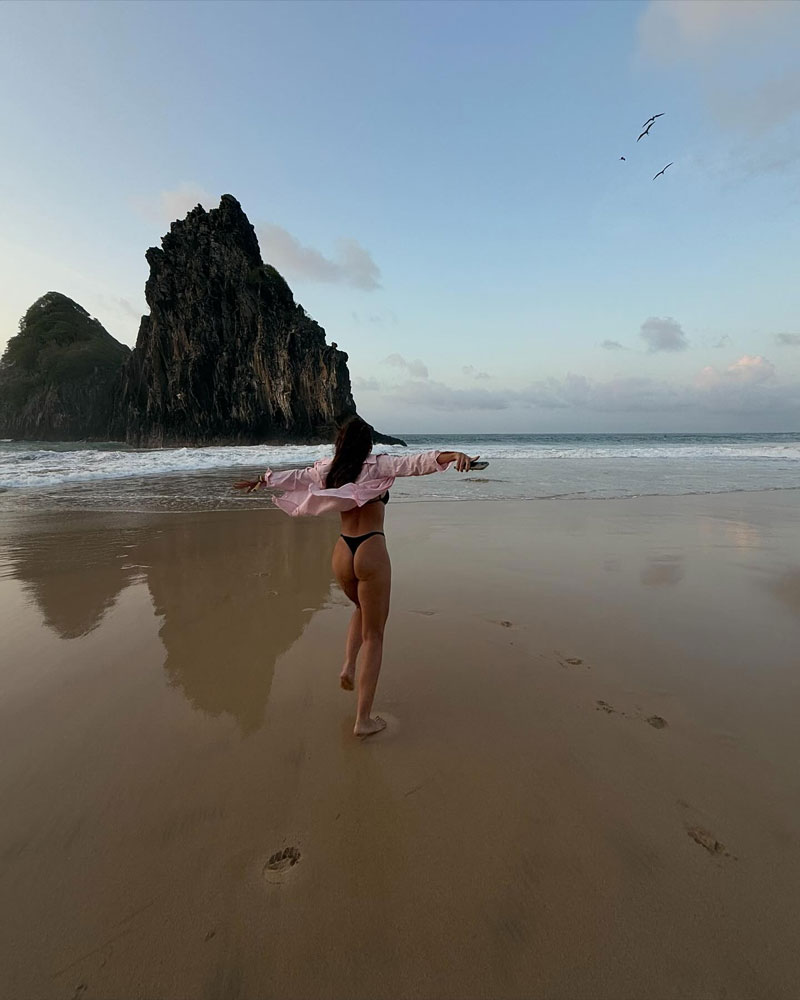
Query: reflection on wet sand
[[787, 589], [727, 531], [223, 596], [662, 571], [74, 575]]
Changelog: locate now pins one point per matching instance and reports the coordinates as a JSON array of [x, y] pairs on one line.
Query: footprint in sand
[[603, 706], [654, 720], [708, 841], [280, 862], [427, 614], [568, 661]]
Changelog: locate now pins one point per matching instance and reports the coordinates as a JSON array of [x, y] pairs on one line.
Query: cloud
[[416, 369], [612, 345], [750, 369], [289, 256], [788, 339], [782, 156], [758, 109], [751, 158], [121, 306], [670, 31], [366, 385], [438, 396], [723, 341], [663, 335], [352, 264], [377, 319], [571, 392], [173, 204], [631, 394], [749, 385], [127, 307], [473, 372], [357, 266]]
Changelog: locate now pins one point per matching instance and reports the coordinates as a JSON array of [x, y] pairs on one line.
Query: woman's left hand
[[248, 484], [463, 462]]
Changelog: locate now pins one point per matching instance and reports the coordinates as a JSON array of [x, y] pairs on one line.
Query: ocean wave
[[32, 467], [25, 465]]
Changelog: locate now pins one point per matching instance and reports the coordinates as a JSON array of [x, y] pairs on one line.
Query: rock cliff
[[226, 354], [58, 374]]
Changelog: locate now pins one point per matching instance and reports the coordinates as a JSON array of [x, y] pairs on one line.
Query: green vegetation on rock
[[57, 374]]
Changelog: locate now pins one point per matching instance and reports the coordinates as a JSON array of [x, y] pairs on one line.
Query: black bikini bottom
[[353, 541]]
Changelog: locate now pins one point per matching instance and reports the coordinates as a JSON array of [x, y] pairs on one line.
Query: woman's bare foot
[[369, 726], [347, 679]]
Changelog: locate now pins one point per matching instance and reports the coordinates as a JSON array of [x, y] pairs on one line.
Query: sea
[[545, 467]]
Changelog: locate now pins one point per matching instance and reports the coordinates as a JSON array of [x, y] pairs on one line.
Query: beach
[[588, 786]]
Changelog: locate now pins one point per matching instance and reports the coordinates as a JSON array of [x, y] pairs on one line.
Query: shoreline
[[521, 467], [210, 491], [587, 787]]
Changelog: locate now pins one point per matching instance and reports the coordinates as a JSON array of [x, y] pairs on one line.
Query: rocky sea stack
[[226, 355], [59, 374]]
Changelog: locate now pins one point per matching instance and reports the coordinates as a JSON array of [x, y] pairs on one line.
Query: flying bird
[[646, 131], [622, 157], [653, 119], [662, 171]]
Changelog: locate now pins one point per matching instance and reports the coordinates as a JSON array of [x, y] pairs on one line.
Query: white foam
[[29, 468], [32, 466]]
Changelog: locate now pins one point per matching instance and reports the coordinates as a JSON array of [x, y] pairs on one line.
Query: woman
[[356, 483]]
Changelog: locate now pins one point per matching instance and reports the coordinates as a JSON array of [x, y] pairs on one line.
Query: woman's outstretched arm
[[291, 479], [423, 463]]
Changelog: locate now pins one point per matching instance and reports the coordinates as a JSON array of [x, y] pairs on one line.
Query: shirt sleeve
[[291, 479], [422, 464]]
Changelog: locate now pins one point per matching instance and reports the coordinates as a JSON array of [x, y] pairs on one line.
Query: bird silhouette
[[653, 118], [662, 171], [646, 131], [622, 157]]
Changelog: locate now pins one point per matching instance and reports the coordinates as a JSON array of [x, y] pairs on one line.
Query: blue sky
[[440, 183]]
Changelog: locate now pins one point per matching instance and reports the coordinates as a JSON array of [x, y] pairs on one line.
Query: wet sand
[[589, 786]]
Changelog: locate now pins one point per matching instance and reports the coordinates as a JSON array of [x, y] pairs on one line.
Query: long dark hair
[[353, 444]]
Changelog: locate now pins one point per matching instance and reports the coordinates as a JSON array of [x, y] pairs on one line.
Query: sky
[[441, 185]]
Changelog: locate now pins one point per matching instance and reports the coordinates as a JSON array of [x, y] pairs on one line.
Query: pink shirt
[[303, 490]]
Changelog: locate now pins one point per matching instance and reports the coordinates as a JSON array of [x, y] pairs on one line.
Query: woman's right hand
[[250, 485]]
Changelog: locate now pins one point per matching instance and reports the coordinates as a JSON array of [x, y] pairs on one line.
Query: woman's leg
[[374, 572], [348, 675], [342, 563]]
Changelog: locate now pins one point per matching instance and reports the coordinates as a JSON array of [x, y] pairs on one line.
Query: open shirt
[[302, 491]]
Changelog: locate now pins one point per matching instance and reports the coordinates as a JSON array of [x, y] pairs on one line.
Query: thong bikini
[[353, 541]]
